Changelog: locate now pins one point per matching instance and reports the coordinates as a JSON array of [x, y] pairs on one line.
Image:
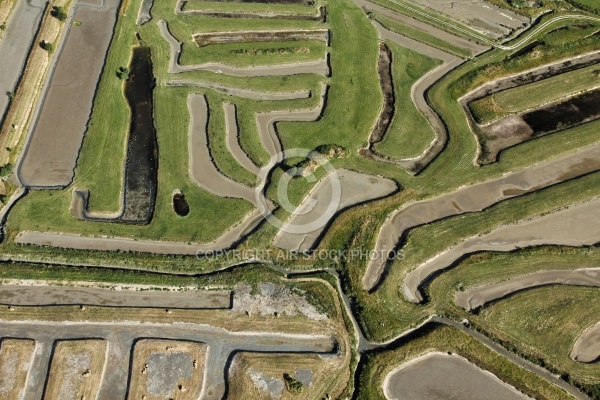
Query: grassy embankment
[[101, 164], [409, 133]]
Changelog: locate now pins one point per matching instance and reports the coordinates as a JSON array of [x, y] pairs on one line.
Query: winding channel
[[475, 198]]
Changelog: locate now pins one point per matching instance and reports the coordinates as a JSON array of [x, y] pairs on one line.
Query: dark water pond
[[142, 150], [180, 205], [572, 112]]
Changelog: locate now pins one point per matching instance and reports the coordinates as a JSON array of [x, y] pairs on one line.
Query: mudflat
[[50, 157]]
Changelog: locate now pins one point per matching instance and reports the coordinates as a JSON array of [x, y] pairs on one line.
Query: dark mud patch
[[561, 116], [142, 150], [206, 39], [321, 15], [180, 204], [384, 67]]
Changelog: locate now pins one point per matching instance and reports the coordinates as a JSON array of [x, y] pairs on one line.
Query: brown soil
[[145, 381], [384, 66], [206, 39], [321, 15], [5, 7], [250, 374], [76, 370], [587, 346], [49, 159], [15, 358], [501, 135]]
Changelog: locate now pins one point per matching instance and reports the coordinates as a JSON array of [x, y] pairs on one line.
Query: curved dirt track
[[232, 140], [102, 243], [297, 234], [266, 122], [320, 67], [121, 336], [239, 92], [416, 164], [476, 198], [475, 298], [587, 346], [441, 376], [578, 225], [203, 171]]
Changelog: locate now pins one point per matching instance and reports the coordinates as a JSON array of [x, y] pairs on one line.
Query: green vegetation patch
[[410, 133]]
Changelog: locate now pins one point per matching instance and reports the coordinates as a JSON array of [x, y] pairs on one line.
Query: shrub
[[123, 73], [59, 13], [292, 384], [49, 47], [6, 170]]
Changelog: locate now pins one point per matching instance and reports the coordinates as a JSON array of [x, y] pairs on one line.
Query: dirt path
[[15, 44], [120, 336], [266, 122], [475, 198], [73, 241], [312, 217], [203, 171], [578, 225], [475, 298], [53, 145], [587, 347], [40, 366], [21, 295], [320, 67], [240, 92], [232, 140]]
